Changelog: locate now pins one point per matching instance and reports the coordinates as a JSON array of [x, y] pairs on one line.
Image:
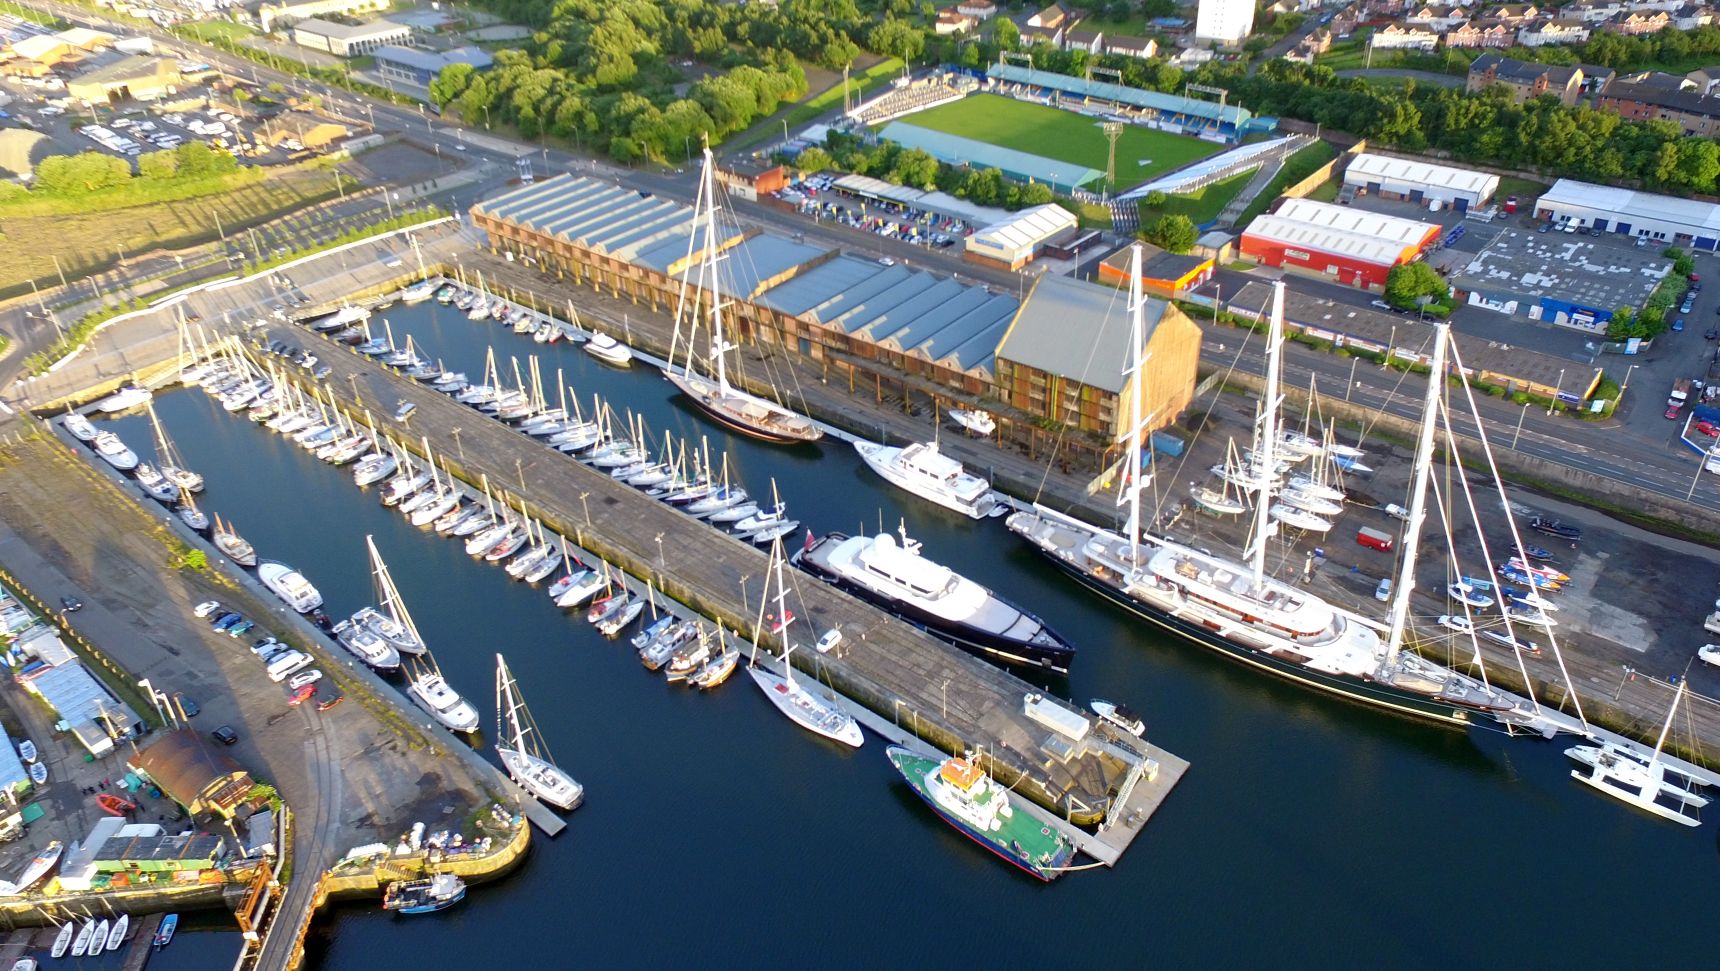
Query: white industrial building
[[1224, 21], [1015, 241], [348, 40], [1664, 219], [1413, 181]]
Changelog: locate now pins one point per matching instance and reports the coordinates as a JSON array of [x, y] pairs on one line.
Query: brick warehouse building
[[898, 329], [1352, 246]]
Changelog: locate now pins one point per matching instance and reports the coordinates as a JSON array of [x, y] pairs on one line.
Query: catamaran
[[812, 710], [1240, 611], [746, 413], [523, 752], [930, 474], [896, 577], [1644, 783]]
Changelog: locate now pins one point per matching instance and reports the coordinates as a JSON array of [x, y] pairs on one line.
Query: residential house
[[1697, 112], [1595, 77], [952, 21], [1473, 35], [1142, 47], [1312, 46], [1041, 35], [1706, 79], [1543, 33], [1052, 17], [977, 9], [1525, 80], [1344, 22], [1691, 16], [1439, 19], [1636, 23], [1091, 41], [1515, 14], [1592, 11], [1399, 38]]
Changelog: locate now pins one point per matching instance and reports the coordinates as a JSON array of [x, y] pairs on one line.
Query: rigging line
[[1439, 500], [1516, 534], [1206, 417], [1086, 368], [1403, 376]]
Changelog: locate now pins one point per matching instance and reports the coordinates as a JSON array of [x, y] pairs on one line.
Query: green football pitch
[[1063, 135]]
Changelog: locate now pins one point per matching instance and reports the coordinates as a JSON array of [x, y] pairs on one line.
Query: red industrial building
[[1352, 246]]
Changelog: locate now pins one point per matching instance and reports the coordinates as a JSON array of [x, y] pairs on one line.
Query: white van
[[287, 665]]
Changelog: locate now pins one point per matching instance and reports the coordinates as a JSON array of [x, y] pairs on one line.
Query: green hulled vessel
[[972, 802]]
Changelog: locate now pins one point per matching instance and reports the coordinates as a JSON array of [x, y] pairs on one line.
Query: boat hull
[[985, 644], [706, 404], [1362, 692], [910, 766]]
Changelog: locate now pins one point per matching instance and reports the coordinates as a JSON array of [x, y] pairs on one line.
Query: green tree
[[898, 38], [1411, 280], [1174, 232], [450, 83], [158, 166], [814, 160]]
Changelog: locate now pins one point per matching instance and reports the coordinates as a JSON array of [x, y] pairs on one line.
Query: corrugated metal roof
[[1360, 222], [12, 772], [1367, 167], [1076, 329], [808, 292], [941, 202], [597, 215], [1341, 230], [79, 697], [1618, 205], [742, 268], [1169, 104], [1025, 230], [958, 150]]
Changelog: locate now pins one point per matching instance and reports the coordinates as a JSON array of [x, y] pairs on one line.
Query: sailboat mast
[[1265, 450], [719, 343], [1405, 583], [781, 613], [1660, 742], [1132, 475]]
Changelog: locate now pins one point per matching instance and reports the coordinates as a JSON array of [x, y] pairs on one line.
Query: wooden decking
[[896, 671]]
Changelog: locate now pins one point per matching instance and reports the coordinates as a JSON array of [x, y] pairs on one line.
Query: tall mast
[[1265, 463], [782, 616], [1405, 583], [1132, 475], [719, 344]]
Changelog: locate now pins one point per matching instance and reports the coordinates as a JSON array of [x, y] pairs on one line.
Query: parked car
[[186, 704], [225, 735], [1383, 592], [301, 695], [1678, 325], [1706, 428], [205, 608], [305, 677], [1672, 413], [70, 603], [328, 696]]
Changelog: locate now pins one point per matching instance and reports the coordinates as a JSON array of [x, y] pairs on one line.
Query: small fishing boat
[[426, 896], [1120, 716], [973, 420], [114, 805], [608, 350], [1552, 527], [39, 772], [98, 938], [686, 660], [1467, 594], [27, 750], [116, 936], [81, 943], [164, 933], [114, 451], [79, 427], [63, 940]]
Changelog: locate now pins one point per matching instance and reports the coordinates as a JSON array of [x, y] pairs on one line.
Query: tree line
[[94, 171], [918, 169]]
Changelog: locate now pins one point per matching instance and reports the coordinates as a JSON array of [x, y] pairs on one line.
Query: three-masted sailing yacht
[[523, 752], [814, 711], [1236, 608], [746, 413]]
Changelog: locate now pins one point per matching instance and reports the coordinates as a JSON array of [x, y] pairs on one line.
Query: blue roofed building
[[889, 325], [413, 65]]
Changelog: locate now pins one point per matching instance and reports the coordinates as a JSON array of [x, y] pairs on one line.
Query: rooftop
[[1168, 104], [432, 60], [1570, 268], [1368, 165], [1025, 228], [1697, 218], [1077, 329], [338, 31]]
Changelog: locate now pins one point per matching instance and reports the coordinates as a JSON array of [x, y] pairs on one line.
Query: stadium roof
[[1025, 229], [1370, 167], [1697, 218], [942, 202], [1369, 236], [1170, 104], [1076, 329], [1236, 159], [956, 150]]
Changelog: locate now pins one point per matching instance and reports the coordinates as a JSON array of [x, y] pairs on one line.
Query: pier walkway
[[919, 684]]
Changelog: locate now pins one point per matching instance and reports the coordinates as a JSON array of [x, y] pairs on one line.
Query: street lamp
[[1520, 416], [1556, 389]]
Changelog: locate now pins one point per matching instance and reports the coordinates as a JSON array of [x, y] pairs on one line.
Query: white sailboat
[[168, 460], [746, 413], [523, 751], [812, 710], [1625, 776], [389, 619]]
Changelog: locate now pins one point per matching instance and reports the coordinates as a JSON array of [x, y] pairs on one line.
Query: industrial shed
[[192, 773], [93, 714], [1013, 243], [1413, 181], [1663, 219], [1350, 245]]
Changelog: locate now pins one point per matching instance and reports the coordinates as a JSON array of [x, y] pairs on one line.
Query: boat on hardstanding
[[960, 791], [425, 896], [521, 746], [930, 474], [973, 420], [896, 577], [746, 413], [39, 867], [1240, 611], [290, 585], [812, 710]]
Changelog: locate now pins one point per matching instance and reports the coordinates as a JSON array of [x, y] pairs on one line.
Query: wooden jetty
[[906, 678]]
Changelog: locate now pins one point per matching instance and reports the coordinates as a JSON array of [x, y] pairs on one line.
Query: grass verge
[[1201, 206], [1296, 168]]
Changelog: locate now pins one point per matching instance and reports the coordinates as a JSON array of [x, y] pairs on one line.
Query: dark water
[[716, 833]]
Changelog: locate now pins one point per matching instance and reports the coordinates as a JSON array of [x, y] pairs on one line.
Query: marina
[[1183, 694]]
